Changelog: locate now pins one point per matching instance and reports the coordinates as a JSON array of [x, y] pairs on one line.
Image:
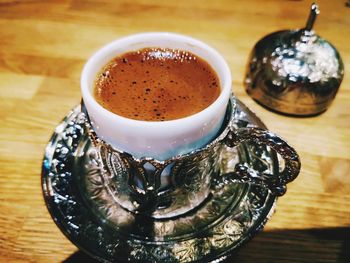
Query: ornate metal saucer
[[230, 216]]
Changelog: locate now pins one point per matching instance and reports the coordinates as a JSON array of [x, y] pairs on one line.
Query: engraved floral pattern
[[82, 208]]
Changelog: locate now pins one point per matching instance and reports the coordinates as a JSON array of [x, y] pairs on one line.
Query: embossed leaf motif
[[94, 177], [95, 183], [108, 231], [185, 251], [224, 235]]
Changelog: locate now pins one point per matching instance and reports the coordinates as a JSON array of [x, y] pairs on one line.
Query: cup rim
[[139, 38]]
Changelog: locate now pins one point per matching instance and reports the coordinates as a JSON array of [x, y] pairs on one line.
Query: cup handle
[[275, 183]]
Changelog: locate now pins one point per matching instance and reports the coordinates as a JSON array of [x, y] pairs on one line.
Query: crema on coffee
[[156, 84]]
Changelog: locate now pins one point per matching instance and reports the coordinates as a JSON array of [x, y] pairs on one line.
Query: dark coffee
[[155, 84]]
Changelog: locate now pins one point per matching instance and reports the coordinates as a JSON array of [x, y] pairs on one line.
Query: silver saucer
[[230, 216]]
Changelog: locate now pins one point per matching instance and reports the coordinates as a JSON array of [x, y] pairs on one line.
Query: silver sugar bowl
[[294, 72]]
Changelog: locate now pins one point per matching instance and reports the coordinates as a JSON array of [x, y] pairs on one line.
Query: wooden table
[[43, 46]]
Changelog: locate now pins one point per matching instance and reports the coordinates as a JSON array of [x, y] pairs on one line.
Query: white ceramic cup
[[158, 140]]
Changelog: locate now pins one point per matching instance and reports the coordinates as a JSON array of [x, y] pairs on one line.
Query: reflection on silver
[[231, 216], [135, 184], [295, 71]]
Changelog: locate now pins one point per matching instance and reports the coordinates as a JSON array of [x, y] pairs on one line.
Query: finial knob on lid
[[295, 72]]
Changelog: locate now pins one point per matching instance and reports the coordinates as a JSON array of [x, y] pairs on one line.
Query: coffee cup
[[159, 140], [164, 169]]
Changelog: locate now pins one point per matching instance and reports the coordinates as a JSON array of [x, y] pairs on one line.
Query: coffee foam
[[155, 84]]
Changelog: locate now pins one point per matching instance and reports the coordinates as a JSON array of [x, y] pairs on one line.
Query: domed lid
[[295, 71]]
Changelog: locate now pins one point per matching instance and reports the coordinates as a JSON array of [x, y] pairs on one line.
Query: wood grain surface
[[43, 46]]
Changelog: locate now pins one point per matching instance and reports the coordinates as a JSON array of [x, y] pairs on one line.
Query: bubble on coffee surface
[[157, 84]]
